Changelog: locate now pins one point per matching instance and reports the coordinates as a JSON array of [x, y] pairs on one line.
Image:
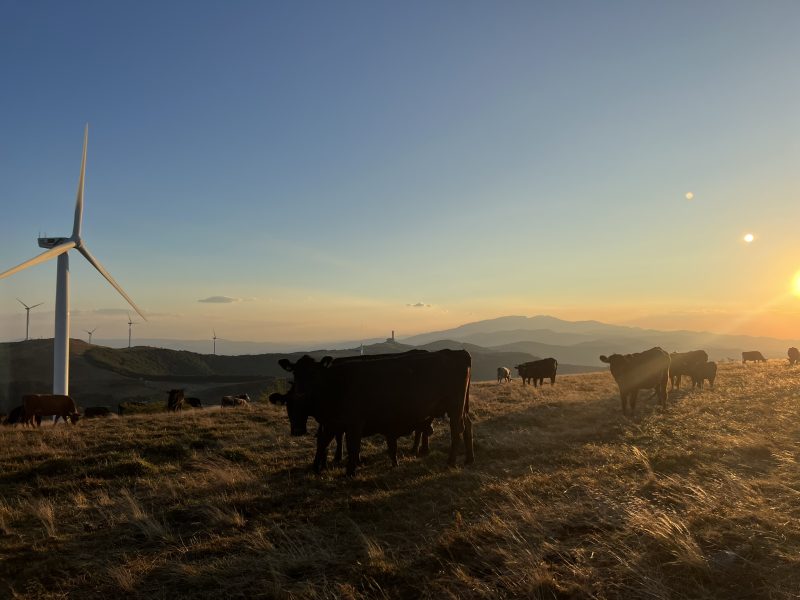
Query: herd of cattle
[[395, 395]]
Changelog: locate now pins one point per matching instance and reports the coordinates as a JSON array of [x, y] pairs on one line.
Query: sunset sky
[[336, 170]]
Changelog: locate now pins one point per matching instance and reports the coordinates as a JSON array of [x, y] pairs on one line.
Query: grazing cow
[[238, 400], [642, 370], [537, 370], [47, 405], [753, 355], [391, 396], [702, 372], [794, 355], [96, 411], [424, 431], [503, 374], [684, 363], [193, 402], [17, 417], [176, 400]]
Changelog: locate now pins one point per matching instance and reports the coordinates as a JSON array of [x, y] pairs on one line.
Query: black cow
[[176, 400], [706, 371], [684, 363], [642, 370], [422, 433], [391, 396], [193, 402], [17, 417], [794, 355], [753, 355], [96, 411], [537, 370]]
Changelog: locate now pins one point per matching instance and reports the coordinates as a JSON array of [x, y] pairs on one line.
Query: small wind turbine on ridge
[[215, 341], [90, 333], [59, 247], [28, 315], [130, 324]]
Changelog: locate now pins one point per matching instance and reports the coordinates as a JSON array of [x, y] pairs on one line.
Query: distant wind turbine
[[215, 341], [130, 324], [58, 247], [90, 333], [28, 315]]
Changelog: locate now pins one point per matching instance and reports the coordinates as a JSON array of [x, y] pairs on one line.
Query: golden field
[[567, 499]]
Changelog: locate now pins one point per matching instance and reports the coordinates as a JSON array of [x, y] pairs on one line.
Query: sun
[[689, 195], [748, 237], [796, 284]]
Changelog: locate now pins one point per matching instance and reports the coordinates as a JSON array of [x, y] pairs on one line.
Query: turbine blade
[[93, 261], [23, 304], [76, 227], [44, 256], [35, 305]]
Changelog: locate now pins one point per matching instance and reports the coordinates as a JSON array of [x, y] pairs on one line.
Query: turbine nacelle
[[52, 242]]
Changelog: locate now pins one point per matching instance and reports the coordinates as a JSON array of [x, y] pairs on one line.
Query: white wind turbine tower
[[215, 341], [28, 315], [131, 324], [58, 247], [90, 333]]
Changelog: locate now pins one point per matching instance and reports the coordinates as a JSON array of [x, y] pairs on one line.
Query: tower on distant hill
[[390, 340]]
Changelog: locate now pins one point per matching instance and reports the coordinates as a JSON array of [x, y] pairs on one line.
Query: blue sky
[[326, 164]]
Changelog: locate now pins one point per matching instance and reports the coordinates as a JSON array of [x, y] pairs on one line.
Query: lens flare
[[689, 195], [748, 237]]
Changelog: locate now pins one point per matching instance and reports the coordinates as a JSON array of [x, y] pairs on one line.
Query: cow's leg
[[553, 380], [456, 431], [337, 457], [632, 401], [353, 449], [417, 436], [321, 457], [424, 449], [470, 458], [391, 447]]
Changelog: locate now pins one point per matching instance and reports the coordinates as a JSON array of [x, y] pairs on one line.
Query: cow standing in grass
[[390, 397], [685, 363], [537, 370], [238, 400], [753, 355], [639, 371], [48, 405], [794, 355], [503, 374], [704, 372], [176, 400]]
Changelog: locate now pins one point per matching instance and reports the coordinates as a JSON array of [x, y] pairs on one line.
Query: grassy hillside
[[567, 499]]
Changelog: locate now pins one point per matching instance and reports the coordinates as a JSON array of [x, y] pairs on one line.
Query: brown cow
[[794, 355], [238, 400], [503, 374], [707, 371], [47, 405], [642, 370], [17, 417], [176, 400], [684, 363]]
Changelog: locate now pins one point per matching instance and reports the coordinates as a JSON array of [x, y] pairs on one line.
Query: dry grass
[[567, 498]]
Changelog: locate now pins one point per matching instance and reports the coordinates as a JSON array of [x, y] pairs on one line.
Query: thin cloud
[[112, 311], [419, 305], [220, 300]]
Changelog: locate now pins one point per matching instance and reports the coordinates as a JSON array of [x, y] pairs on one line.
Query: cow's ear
[[326, 361], [605, 359], [286, 364]]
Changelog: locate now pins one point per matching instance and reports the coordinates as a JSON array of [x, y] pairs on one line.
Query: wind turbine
[[90, 333], [59, 247], [131, 324], [215, 341], [28, 315]]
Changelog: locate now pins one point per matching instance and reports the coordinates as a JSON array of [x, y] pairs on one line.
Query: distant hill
[[582, 342], [107, 376]]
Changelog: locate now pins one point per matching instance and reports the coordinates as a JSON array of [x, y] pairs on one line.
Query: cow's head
[[301, 399], [74, 417], [617, 363]]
